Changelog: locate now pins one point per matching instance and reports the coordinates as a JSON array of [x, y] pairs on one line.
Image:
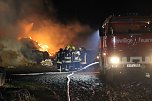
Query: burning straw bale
[[1, 46], [8, 57]]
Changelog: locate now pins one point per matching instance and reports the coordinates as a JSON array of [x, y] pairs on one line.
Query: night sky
[[94, 12]]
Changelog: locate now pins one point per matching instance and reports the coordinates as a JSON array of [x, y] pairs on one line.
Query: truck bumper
[[129, 74]]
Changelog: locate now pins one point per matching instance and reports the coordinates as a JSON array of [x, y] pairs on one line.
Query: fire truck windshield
[[131, 28]]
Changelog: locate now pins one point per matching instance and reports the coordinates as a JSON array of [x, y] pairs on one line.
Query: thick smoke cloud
[[34, 18]]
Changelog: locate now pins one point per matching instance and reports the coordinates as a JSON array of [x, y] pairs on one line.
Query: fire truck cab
[[126, 46]]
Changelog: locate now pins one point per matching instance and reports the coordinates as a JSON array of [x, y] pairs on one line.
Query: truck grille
[[136, 59]]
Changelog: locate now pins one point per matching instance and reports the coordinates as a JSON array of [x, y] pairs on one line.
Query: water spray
[[68, 77]]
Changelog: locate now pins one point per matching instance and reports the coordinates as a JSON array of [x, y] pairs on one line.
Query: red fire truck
[[126, 46]]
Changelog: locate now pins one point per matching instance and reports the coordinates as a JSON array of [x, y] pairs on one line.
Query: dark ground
[[84, 86]]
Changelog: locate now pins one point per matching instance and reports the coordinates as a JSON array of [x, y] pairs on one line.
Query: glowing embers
[[43, 47]]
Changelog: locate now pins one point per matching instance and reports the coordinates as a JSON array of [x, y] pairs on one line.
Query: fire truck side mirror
[[100, 32]]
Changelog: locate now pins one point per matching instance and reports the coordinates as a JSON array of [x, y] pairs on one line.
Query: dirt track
[[89, 87]]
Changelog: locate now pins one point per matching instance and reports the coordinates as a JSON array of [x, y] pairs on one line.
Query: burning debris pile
[[21, 52], [30, 50]]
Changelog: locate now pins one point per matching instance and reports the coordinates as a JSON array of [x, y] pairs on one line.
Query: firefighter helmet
[[60, 49], [73, 48], [67, 47]]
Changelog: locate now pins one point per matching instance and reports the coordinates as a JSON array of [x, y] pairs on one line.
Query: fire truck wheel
[[102, 65]]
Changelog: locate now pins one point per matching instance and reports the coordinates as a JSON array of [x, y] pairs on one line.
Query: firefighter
[[73, 52], [59, 59], [67, 58], [83, 56], [73, 49], [77, 59]]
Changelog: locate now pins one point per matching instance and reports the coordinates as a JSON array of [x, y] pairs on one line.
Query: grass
[[37, 91]]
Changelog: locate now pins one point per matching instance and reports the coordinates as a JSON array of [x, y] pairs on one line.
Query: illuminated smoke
[[56, 35], [35, 18]]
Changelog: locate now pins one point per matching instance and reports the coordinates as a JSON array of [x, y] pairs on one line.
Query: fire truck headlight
[[115, 60]]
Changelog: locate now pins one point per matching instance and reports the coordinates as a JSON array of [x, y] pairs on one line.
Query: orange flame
[[51, 35], [42, 47]]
